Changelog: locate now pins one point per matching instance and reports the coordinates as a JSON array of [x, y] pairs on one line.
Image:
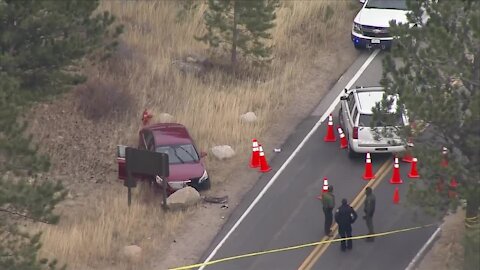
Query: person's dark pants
[[328, 219], [369, 221], [345, 233]]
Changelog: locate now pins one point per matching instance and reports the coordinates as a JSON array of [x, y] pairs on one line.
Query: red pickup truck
[[186, 165]]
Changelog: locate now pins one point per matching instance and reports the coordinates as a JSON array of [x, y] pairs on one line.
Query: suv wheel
[[206, 185]]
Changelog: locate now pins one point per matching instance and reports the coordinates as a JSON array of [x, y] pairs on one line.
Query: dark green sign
[[144, 163]]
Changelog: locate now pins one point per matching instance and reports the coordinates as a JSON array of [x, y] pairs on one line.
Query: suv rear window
[[365, 120]]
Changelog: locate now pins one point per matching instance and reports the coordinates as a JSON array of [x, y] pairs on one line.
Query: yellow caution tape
[[298, 247]]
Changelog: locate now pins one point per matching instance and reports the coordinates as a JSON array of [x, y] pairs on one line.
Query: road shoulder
[[447, 250], [187, 247]]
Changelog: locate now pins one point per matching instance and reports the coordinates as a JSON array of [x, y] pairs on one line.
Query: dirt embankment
[[447, 251]]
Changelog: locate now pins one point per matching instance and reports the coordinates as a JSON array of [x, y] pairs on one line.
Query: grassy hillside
[[94, 118]]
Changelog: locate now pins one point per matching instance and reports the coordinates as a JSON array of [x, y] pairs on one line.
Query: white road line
[[349, 84], [295, 152], [414, 263]]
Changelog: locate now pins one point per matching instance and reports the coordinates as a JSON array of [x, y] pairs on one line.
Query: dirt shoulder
[[188, 246], [447, 251]]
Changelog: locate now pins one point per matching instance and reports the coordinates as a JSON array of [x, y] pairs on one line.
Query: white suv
[[370, 27], [356, 117]]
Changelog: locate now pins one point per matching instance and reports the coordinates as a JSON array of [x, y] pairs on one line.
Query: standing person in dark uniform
[[345, 217], [369, 209], [328, 201]]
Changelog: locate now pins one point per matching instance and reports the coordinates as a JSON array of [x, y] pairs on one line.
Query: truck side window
[[141, 140], [351, 102], [145, 139], [354, 115], [149, 142]]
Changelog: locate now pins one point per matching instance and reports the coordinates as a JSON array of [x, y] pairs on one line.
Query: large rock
[[132, 253], [223, 151], [183, 198], [249, 117], [165, 118], [199, 60], [189, 67]]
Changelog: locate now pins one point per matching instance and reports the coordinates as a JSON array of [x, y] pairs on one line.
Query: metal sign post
[[144, 164]]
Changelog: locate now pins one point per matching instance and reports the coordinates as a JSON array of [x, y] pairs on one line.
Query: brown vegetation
[[81, 140]]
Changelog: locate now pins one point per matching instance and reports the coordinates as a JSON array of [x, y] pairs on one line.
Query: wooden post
[[129, 196], [164, 185]]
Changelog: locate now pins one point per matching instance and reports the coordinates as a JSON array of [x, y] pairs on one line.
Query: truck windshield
[[182, 153], [387, 4]]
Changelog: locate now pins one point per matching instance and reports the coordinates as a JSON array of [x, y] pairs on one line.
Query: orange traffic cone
[[264, 167], [146, 117], [413, 169], [396, 173], [343, 139], [324, 188], [330, 137], [408, 153], [368, 174], [325, 185], [396, 196], [444, 162], [255, 160]]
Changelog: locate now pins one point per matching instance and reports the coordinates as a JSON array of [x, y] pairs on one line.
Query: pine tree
[[241, 26], [437, 80], [42, 44], [42, 39]]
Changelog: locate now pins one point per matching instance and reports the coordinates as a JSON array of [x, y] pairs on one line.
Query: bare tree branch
[[24, 216]]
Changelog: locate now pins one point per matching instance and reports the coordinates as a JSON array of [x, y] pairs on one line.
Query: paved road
[[289, 214]]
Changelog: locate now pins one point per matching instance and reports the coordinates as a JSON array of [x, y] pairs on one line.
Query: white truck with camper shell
[[364, 135]]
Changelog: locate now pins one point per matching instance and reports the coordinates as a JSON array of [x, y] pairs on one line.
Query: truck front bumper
[[360, 41]]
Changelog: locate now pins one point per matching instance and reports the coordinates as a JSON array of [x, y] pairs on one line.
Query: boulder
[[183, 198], [164, 118], [223, 151], [70, 195], [199, 59], [132, 253], [191, 59], [248, 117], [189, 68]]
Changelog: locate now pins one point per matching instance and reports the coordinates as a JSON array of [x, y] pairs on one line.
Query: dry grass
[[90, 239], [209, 106], [447, 252]]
